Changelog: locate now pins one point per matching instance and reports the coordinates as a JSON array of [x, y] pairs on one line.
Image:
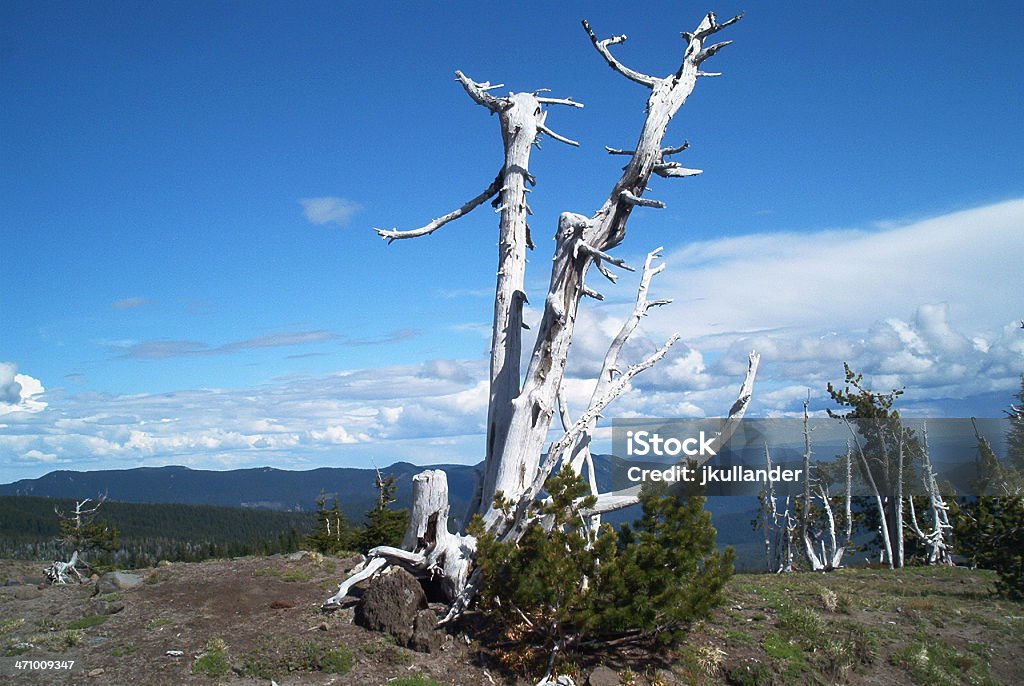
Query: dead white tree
[[937, 537], [822, 546], [521, 405], [779, 526], [73, 532]]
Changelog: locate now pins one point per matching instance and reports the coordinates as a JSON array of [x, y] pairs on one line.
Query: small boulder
[[425, 636], [390, 605], [603, 676], [117, 581]]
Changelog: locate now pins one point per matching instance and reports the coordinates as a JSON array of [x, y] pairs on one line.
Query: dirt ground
[[266, 611], [918, 625]]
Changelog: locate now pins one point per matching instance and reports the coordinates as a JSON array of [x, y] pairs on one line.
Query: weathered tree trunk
[[827, 555], [521, 407], [936, 541], [886, 553]]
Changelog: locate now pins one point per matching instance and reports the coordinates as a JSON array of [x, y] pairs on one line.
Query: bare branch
[[665, 152], [489, 192], [618, 151], [605, 272], [675, 170], [602, 47], [709, 26], [584, 247], [569, 102], [478, 91], [557, 137], [710, 51], [633, 199]]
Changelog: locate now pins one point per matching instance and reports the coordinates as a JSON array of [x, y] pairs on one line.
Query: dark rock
[[425, 636], [390, 605], [282, 604], [603, 676]]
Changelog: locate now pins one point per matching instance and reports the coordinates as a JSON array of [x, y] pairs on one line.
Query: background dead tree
[[79, 531], [779, 526], [937, 535], [822, 546], [522, 405]]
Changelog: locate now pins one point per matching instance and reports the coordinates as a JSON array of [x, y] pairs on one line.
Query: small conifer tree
[[562, 586], [384, 525], [332, 534]]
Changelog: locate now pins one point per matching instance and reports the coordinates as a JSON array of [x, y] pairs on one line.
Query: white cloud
[[19, 392], [843, 280], [933, 306], [329, 210]]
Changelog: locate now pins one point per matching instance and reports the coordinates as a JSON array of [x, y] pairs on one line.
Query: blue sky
[[189, 190]]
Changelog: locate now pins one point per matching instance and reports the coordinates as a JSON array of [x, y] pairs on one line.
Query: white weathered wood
[[522, 406], [886, 552]]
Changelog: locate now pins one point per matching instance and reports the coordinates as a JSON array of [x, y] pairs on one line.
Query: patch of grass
[[415, 680], [86, 622], [275, 658], [110, 597], [159, 622], [124, 650], [788, 655], [295, 575], [750, 674], [928, 661], [337, 661], [801, 623], [58, 641], [10, 624], [214, 662], [738, 637], [829, 599], [863, 642]]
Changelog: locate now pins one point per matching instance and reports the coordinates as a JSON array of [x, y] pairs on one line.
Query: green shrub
[[214, 662], [648, 581]]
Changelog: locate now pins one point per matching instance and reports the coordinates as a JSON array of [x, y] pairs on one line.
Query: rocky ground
[[250, 620]]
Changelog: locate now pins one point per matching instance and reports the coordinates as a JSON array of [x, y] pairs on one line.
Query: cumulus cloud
[[329, 210], [19, 392], [10, 389], [932, 306]]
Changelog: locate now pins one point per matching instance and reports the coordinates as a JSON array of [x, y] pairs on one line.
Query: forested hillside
[[153, 532]]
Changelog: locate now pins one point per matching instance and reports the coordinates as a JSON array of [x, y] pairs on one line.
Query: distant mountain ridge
[[259, 488], [269, 488]]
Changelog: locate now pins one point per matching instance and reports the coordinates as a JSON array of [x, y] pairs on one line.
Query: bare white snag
[[823, 554], [522, 406], [886, 553], [779, 527], [60, 572], [937, 537]]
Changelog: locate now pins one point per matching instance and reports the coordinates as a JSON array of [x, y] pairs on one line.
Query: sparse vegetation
[[214, 661], [276, 658], [87, 622], [415, 680]]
